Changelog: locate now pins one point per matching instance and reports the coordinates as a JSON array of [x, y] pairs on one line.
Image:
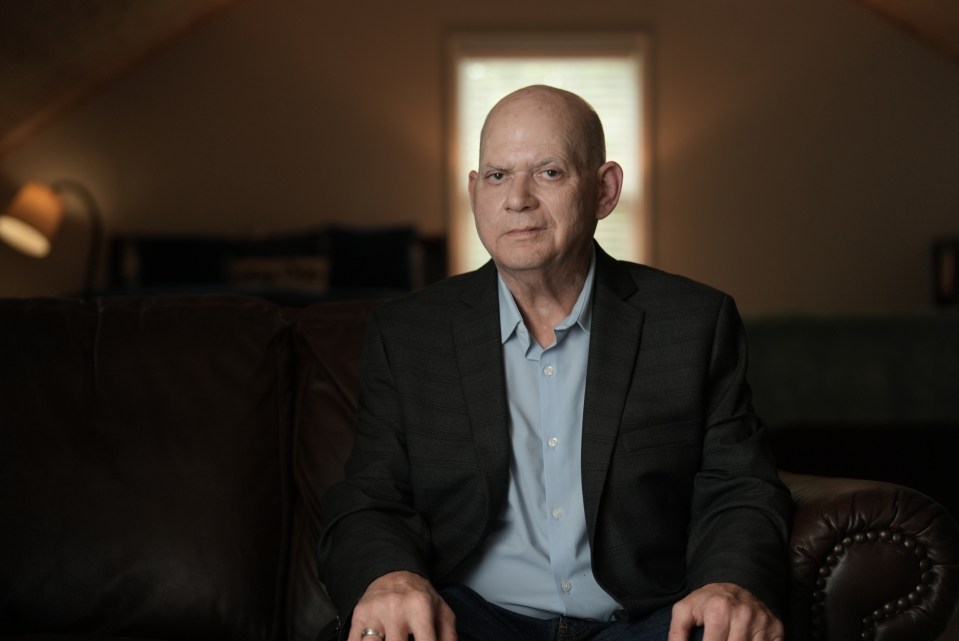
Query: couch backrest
[[860, 370], [145, 488], [327, 343]]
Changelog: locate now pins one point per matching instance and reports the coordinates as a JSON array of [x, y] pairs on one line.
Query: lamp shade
[[31, 219]]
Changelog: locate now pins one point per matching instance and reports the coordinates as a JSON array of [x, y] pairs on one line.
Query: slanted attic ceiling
[[54, 53], [935, 22]]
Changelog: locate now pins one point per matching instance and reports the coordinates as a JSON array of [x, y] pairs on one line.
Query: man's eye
[[496, 176], [552, 174]]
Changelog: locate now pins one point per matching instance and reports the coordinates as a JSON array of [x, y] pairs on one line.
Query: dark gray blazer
[[679, 486]]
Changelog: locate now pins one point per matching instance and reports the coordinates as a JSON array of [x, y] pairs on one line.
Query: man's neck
[[544, 298]]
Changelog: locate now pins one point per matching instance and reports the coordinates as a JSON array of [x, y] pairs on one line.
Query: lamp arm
[[92, 211]]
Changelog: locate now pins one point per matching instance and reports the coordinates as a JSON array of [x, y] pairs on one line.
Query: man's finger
[[681, 624]]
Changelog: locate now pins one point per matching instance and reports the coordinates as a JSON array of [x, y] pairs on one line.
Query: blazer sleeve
[[370, 526], [741, 511]]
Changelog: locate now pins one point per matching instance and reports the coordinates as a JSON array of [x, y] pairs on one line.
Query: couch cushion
[[142, 478]]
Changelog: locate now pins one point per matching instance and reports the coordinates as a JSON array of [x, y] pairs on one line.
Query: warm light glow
[[23, 237], [32, 219]]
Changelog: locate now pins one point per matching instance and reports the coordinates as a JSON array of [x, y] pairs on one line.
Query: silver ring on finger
[[372, 632]]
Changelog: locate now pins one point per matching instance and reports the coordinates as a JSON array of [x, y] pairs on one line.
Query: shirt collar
[[582, 314]]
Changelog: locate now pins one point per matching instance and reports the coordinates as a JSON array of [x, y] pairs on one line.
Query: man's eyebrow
[[551, 160]]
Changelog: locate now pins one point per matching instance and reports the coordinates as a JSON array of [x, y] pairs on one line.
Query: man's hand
[[728, 613], [399, 604]]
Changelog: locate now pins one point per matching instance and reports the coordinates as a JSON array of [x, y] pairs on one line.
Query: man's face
[[534, 204]]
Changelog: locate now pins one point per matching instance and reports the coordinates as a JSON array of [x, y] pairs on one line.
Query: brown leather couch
[[162, 461]]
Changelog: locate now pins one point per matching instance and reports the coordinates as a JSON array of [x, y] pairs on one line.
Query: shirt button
[[567, 586], [553, 442], [548, 370], [557, 513]]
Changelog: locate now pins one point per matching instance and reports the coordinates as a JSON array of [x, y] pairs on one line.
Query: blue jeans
[[479, 620]]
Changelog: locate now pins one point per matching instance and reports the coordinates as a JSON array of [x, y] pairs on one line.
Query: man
[[558, 445]]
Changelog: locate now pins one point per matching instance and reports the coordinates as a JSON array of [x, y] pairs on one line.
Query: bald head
[[584, 129]]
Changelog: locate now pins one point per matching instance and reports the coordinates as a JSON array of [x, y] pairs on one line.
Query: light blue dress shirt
[[537, 560]]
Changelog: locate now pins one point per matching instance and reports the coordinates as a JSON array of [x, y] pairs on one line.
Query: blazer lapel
[[479, 352], [613, 347]]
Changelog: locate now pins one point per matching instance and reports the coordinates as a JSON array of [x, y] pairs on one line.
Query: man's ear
[[472, 190], [610, 176]]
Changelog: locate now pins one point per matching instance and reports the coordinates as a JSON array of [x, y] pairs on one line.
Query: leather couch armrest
[[869, 560]]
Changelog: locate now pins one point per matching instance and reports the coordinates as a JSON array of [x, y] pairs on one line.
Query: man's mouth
[[524, 231]]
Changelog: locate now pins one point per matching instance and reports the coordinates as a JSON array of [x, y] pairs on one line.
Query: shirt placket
[[556, 470]]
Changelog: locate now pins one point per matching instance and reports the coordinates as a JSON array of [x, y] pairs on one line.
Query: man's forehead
[[528, 137], [536, 126], [529, 155]]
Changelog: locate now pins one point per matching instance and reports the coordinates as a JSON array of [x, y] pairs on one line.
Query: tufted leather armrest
[[869, 560]]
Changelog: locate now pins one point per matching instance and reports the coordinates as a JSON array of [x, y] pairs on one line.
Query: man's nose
[[521, 197]]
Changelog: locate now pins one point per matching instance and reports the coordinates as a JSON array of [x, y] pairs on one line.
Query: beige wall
[[806, 151]]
